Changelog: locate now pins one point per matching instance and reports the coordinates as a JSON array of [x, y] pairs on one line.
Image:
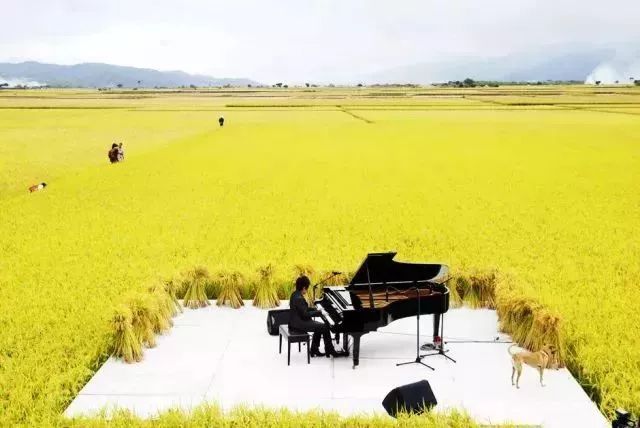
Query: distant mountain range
[[96, 75], [562, 63], [568, 63]]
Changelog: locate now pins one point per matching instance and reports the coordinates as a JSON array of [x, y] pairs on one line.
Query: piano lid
[[380, 268]]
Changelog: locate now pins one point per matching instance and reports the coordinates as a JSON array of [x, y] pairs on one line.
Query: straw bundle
[[195, 295], [172, 287], [266, 292], [531, 325], [125, 343], [476, 290], [304, 269], [142, 311], [230, 285]]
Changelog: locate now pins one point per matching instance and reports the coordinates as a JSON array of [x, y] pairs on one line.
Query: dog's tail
[[509, 350]]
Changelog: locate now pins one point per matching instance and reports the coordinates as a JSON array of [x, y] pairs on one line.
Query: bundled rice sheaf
[[195, 295], [125, 342], [143, 309], [172, 287], [304, 269], [531, 325], [476, 290], [161, 319], [230, 285], [266, 291], [457, 289], [166, 299], [546, 330], [484, 284]]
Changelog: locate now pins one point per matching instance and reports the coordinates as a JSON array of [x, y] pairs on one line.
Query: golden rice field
[[541, 185]]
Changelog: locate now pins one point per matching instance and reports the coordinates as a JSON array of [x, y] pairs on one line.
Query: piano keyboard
[[325, 315]]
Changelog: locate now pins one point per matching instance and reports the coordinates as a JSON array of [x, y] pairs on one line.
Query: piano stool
[[298, 338]]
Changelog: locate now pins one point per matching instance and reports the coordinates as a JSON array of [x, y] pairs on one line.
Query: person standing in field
[[221, 120]]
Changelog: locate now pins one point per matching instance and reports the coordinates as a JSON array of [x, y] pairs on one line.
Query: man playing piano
[[300, 320]]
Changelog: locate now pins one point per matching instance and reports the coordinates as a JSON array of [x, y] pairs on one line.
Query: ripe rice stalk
[[266, 295], [125, 342], [230, 285], [142, 309]]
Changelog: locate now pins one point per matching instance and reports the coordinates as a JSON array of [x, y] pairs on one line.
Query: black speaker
[[414, 398], [275, 318]]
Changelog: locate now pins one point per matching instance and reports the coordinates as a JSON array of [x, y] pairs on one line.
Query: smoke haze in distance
[[621, 69], [13, 82]]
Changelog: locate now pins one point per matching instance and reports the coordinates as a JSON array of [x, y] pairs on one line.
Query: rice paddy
[[531, 195]]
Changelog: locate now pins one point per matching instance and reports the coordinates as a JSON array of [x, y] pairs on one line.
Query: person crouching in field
[[221, 120], [37, 187], [116, 154], [113, 153]]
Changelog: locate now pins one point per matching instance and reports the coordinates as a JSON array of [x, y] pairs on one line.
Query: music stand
[[419, 357]]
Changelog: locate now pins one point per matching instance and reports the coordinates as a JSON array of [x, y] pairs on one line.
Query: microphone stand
[[419, 357], [439, 350], [313, 289]]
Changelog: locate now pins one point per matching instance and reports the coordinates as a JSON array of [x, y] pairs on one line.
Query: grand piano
[[382, 291]]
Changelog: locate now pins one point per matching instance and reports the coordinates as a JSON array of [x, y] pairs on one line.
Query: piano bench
[[298, 338]]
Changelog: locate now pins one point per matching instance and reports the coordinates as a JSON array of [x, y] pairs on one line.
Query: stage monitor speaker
[[275, 318], [413, 398]]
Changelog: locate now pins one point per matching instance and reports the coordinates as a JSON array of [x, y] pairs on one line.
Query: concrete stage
[[225, 355]]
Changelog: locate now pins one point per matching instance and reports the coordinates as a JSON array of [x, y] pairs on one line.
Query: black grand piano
[[382, 291]]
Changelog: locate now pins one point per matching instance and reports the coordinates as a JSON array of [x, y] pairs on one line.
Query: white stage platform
[[225, 356]]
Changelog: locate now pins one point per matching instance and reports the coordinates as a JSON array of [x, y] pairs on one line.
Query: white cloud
[[293, 40]]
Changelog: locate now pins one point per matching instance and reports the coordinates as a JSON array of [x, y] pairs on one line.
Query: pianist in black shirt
[[300, 320]]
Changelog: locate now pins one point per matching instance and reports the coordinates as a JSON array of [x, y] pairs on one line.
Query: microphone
[[333, 273]]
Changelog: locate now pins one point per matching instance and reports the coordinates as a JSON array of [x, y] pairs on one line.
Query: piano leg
[[345, 343], [356, 350], [436, 326]]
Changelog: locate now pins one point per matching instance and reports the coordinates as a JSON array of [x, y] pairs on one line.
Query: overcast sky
[[299, 40]]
